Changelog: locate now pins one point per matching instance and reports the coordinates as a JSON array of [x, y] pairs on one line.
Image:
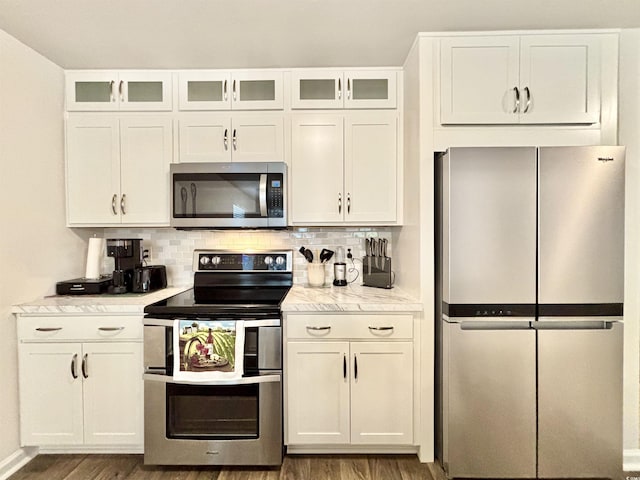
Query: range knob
[[215, 260], [280, 260], [204, 260], [268, 260]]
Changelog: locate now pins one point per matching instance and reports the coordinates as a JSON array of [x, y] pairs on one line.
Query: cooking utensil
[[383, 251], [306, 253], [193, 199], [183, 195], [325, 255]]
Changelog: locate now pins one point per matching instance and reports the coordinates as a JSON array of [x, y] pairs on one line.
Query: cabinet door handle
[[117, 329], [339, 89], [114, 200], [224, 91], [48, 329], [112, 97], [74, 366], [122, 204], [316, 329], [348, 89], [528, 104], [355, 366], [339, 203], [348, 203], [120, 90], [85, 365], [516, 107], [233, 87], [225, 139], [381, 329], [234, 140], [344, 366]]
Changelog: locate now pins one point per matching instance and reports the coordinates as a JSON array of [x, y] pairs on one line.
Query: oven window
[[212, 412]]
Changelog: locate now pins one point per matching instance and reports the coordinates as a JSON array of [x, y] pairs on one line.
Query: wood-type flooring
[[294, 467]]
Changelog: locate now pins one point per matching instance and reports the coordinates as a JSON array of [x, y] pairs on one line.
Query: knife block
[[376, 272]]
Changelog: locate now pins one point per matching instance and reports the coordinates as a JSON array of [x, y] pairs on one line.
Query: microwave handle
[[263, 195]]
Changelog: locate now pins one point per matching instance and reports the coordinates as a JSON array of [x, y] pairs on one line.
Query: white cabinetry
[[349, 379], [241, 90], [118, 170], [343, 89], [219, 137], [80, 381], [528, 79], [344, 168], [112, 90]]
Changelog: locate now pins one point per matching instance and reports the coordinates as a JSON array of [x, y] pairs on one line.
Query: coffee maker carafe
[[127, 253]]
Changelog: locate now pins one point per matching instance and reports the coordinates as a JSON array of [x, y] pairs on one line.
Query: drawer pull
[[316, 329], [48, 329], [355, 366], [110, 329], [380, 329]]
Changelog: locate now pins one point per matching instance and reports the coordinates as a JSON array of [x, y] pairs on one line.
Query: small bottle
[[209, 344]]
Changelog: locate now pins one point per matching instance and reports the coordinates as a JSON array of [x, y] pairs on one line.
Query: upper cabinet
[[223, 90], [344, 168], [328, 89], [528, 79], [118, 170], [118, 91]]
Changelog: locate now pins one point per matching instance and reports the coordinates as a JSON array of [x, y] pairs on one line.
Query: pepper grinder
[[340, 269]]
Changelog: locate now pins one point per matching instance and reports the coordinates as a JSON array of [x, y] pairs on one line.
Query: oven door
[[235, 422], [228, 195]]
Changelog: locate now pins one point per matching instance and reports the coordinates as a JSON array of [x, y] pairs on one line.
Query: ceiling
[[117, 34]]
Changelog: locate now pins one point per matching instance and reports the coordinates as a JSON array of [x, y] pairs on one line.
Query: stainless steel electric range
[[213, 363]]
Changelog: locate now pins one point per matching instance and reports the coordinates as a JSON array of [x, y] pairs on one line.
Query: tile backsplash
[[174, 248]]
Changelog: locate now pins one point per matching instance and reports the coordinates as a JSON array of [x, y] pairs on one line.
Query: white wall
[[629, 135], [36, 249]]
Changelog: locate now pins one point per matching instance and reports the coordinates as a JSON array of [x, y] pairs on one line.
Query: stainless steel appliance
[[229, 195], [235, 421], [530, 298]]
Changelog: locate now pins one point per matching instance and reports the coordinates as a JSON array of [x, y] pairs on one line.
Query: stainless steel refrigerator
[[530, 296]]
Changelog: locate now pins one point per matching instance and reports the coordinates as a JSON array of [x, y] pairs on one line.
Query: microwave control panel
[[275, 195]]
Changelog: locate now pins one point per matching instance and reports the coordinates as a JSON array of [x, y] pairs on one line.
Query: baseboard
[[631, 460], [16, 461]]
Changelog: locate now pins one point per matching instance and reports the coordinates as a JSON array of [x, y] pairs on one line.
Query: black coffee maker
[[127, 253]]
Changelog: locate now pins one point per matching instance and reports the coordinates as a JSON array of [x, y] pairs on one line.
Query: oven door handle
[[263, 195], [226, 381]]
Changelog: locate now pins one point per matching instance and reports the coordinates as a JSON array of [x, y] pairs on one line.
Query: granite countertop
[[351, 298], [78, 304]]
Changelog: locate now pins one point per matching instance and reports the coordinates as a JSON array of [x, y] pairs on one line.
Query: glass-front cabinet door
[[204, 90], [316, 89], [257, 90], [112, 91], [370, 89]]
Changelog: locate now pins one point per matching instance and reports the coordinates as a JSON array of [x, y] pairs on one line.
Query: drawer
[[87, 328], [349, 326]]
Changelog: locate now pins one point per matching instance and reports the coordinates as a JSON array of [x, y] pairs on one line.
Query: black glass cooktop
[[226, 295]]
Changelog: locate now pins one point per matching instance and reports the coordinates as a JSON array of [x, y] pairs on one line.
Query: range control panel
[[223, 260]]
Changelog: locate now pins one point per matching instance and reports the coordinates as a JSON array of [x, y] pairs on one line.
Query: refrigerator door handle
[[495, 325], [572, 325]]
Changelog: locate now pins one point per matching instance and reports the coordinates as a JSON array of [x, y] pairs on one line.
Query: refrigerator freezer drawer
[[580, 402], [489, 401]]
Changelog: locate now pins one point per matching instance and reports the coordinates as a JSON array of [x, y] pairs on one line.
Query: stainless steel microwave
[[229, 195]]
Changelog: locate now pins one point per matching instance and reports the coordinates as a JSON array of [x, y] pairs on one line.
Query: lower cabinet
[[83, 393], [356, 391]]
